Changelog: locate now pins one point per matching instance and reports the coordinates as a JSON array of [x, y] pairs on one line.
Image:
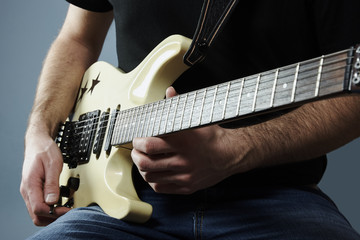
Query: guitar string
[[250, 86], [247, 87], [223, 91], [176, 118], [131, 129], [128, 130], [282, 69], [159, 121]]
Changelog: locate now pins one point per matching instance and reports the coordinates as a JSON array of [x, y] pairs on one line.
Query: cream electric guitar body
[[105, 177], [114, 107]]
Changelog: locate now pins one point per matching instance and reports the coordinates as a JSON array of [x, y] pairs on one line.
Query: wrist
[[240, 151], [39, 124]]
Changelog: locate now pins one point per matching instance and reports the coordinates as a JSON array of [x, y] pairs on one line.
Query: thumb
[[52, 169]]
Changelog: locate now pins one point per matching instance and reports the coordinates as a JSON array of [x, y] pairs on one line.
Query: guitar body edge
[[106, 180]]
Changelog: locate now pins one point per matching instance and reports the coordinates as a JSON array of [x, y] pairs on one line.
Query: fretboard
[[267, 91]]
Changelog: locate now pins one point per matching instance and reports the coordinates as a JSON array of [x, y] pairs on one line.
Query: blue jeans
[[225, 211]]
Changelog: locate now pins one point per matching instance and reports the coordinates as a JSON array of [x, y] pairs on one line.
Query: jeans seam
[[198, 229]]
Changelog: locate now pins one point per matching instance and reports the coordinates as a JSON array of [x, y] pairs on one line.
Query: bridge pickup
[[75, 139], [86, 130], [99, 140]]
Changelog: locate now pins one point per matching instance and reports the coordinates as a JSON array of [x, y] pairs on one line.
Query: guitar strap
[[213, 17]]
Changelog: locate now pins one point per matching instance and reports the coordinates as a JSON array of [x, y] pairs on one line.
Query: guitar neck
[[244, 97]]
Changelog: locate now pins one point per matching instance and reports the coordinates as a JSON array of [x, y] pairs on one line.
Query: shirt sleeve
[[92, 5]]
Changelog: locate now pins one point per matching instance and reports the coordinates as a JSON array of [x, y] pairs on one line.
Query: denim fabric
[[220, 212]]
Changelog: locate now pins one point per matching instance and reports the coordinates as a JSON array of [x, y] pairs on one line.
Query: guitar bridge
[[75, 139]]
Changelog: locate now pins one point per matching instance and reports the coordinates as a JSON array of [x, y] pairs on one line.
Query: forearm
[[77, 46], [58, 83], [309, 131]]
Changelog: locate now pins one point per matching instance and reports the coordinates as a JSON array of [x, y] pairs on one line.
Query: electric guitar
[[114, 107]]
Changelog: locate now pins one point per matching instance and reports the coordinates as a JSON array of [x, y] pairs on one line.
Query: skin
[[77, 46], [172, 163]]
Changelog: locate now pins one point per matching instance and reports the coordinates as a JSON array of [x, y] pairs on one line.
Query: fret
[[274, 88], [295, 82], [284, 84], [333, 73], [165, 115], [125, 125], [213, 104], [137, 121], [134, 122], [201, 107], [166, 123], [319, 76], [225, 100], [256, 92], [130, 124], [232, 99], [153, 119], [147, 120], [307, 80], [240, 97], [120, 125], [157, 122], [143, 121], [207, 105], [193, 108], [217, 102], [188, 110], [248, 95], [171, 118], [183, 100], [264, 91]]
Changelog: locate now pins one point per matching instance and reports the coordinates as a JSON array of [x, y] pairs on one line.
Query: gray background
[[27, 29]]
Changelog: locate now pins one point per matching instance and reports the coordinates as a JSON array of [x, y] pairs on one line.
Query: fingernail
[[51, 197]]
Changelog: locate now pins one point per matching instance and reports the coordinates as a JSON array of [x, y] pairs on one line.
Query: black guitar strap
[[213, 16]]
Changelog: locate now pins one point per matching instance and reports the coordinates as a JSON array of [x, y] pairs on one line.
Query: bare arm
[[305, 133], [77, 46]]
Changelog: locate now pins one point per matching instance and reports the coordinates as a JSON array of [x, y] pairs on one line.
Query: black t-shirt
[[260, 35]]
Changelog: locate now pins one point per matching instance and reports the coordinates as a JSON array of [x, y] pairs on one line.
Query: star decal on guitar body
[[94, 83], [83, 91]]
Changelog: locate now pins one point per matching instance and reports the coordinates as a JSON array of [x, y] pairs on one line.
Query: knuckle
[[179, 165], [37, 210], [158, 188], [149, 177], [186, 180], [51, 184], [149, 146], [37, 222], [146, 176], [143, 165], [22, 189]]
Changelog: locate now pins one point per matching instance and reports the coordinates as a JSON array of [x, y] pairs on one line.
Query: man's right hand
[[40, 178]]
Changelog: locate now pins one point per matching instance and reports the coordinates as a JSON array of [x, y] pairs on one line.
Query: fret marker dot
[[285, 85], [248, 95]]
